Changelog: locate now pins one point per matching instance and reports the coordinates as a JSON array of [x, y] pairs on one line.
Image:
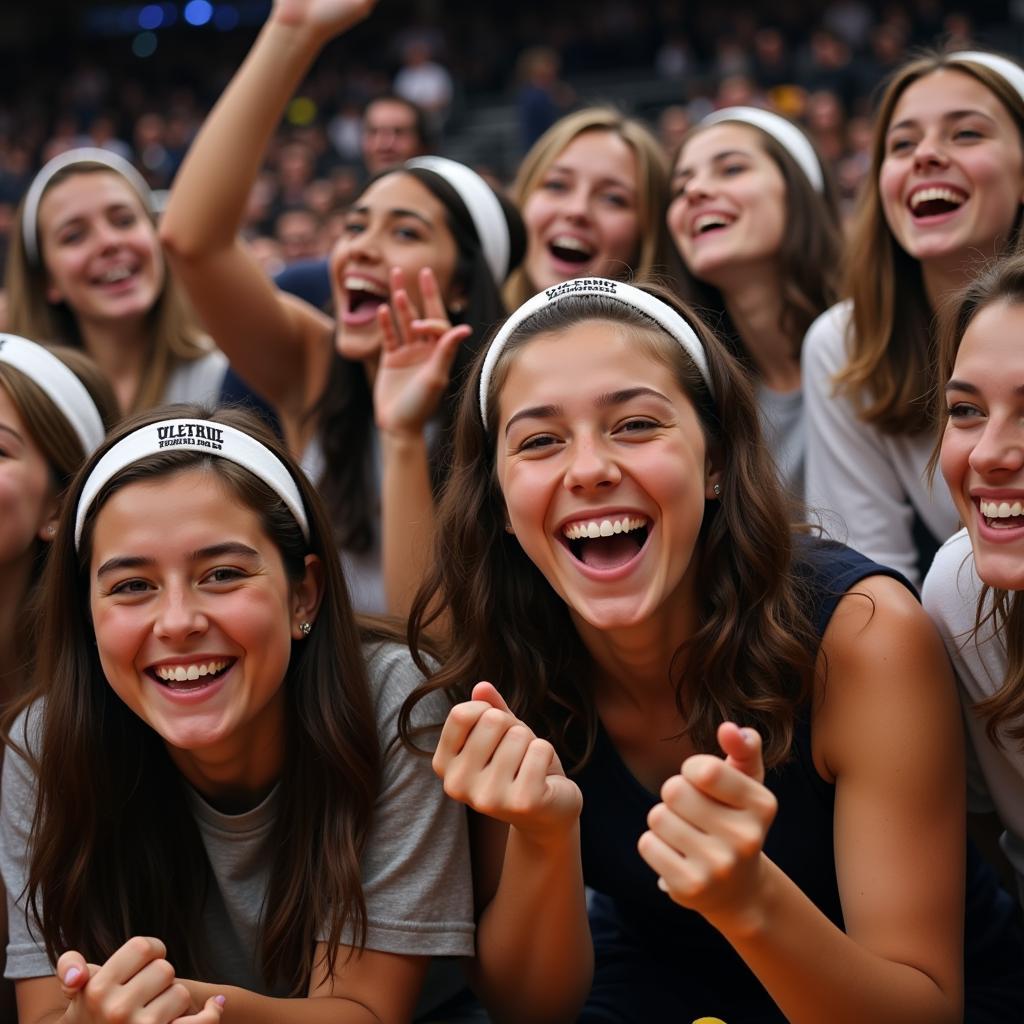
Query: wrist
[[752, 919], [403, 440], [554, 838]]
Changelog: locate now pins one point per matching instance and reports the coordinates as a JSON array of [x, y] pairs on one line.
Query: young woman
[[204, 814], [946, 186], [972, 590], [612, 507], [592, 190], [55, 408], [755, 222], [85, 268], [431, 236]]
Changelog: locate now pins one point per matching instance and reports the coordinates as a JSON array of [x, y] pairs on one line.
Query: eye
[[354, 227], [130, 587], [616, 199], [637, 424], [223, 574], [408, 234], [964, 411], [537, 442], [967, 135], [898, 145], [554, 185], [731, 170]]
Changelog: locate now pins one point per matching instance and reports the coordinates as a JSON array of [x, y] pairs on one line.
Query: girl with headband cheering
[[755, 223], [773, 831], [204, 815], [944, 191], [86, 268], [366, 403]]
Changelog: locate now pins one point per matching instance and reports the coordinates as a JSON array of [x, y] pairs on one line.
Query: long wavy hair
[[345, 409], [173, 335], [653, 250], [808, 259], [62, 450], [114, 850], [1002, 281], [752, 654], [891, 340]]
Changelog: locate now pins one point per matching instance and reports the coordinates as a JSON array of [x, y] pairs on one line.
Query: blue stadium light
[[170, 14], [198, 12], [144, 44], [151, 16], [225, 17]]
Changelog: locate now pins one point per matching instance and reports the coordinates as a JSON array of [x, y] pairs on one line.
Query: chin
[[1001, 572]]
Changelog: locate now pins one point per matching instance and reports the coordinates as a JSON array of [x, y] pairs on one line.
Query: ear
[[48, 527], [712, 477], [307, 595], [54, 295]]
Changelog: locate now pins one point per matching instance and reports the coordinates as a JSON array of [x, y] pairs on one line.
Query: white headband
[[196, 436], [60, 384], [664, 315], [484, 209], [82, 155], [1002, 66], [784, 132]]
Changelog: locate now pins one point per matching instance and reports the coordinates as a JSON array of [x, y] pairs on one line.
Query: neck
[[754, 305], [119, 349], [14, 582], [942, 279]]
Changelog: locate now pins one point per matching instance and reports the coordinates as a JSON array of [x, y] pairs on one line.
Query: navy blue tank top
[[656, 961]]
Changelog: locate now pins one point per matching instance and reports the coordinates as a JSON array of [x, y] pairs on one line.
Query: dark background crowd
[[489, 78]]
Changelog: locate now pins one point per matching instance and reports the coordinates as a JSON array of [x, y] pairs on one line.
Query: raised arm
[[277, 343]]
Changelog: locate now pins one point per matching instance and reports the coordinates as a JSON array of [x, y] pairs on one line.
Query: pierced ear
[[306, 596], [48, 527], [712, 477]]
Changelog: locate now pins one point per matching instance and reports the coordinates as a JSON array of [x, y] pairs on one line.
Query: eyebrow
[[12, 432], [606, 180], [971, 389], [395, 214], [121, 562], [606, 401], [725, 154], [952, 115]]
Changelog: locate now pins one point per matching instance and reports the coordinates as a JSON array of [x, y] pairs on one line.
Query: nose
[[592, 467], [179, 614], [576, 203], [695, 188], [1000, 449], [929, 152], [364, 245]]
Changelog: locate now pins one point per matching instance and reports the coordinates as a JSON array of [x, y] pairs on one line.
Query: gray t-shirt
[[415, 867], [782, 417]]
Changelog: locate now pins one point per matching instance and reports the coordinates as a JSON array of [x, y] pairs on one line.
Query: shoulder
[[392, 677], [825, 341]]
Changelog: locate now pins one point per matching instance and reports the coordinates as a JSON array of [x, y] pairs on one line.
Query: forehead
[[991, 345], [388, 113], [601, 153], [400, 191], [704, 145], [10, 415], [85, 193], [943, 92]]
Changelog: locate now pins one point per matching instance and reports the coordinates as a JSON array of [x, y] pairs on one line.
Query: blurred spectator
[[825, 122], [345, 130], [267, 254], [851, 21], [772, 65], [297, 232], [543, 98], [830, 67], [673, 124], [394, 130], [423, 81], [103, 135], [151, 153], [674, 61]]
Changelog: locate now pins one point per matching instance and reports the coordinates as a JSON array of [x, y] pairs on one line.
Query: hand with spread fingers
[[494, 763], [136, 985], [705, 839], [417, 356]]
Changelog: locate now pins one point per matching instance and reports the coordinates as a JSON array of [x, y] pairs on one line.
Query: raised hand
[[416, 357], [327, 16], [136, 984], [705, 839], [492, 762]]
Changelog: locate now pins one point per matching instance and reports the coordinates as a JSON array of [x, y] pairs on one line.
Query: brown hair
[[174, 337], [751, 655], [91, 883], [652, 186], [62, 449], [1002, 281], [808, 259], [891, 343]]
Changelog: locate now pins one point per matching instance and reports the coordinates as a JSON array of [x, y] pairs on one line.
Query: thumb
[[488, 693], [742, 749], [73, 973]]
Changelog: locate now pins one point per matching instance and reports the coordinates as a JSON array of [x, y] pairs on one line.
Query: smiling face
[[728, 210], [952, 176], [194, 618], [582, 216], [99, 248], [604, 470], [396, 222], [982, 455], [27, 501]]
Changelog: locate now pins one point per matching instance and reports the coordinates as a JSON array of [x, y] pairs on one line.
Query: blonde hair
[[891, 343], [173, 335], [652, 186]]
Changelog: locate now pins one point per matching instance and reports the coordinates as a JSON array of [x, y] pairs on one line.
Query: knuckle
[[142, 945], [748, 841], [164, 971], [657, 816], [117, 1011], [672, 789]]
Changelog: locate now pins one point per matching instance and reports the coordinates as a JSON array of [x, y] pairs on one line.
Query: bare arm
[[276, 342]]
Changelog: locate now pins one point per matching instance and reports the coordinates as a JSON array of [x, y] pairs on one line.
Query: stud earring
[[717, 489], [51, 530], [305, 628]]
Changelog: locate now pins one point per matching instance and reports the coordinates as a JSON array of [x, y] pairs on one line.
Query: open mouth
[[606, 543], [1002, 515], [115, 275], [709, 222], [363, 297], [933, 202], [569, 249], [187, 678]]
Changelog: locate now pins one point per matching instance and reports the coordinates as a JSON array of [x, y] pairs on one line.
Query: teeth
[[1000, 509], [709, 220], [569, 242], [602, 528], [181, 673], [355, 283], [927, 195], [115, 274]]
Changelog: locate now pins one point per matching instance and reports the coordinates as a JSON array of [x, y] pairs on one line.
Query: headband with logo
[[484, 209], [1012, 72], [60, 384], [617, 291], [784, 132], [195, 436], [82, 155]]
